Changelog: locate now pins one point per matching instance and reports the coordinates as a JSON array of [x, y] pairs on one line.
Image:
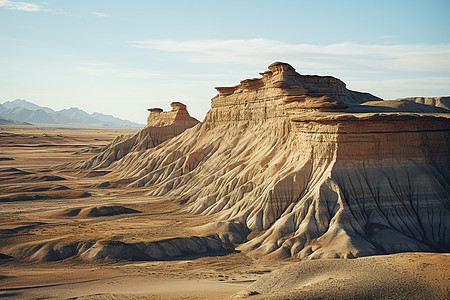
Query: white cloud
[[404, 87], [23, 6], [114, 70], [348, 55], [99, 14], [111, 70], [388, 71]]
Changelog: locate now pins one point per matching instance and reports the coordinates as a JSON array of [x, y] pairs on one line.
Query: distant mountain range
[[24, 112]]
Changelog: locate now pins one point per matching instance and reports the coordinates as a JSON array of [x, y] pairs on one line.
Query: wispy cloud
[[39, 7], [404, 87], [348, 55], [99, 14], [388, 71], [113, 70], [23, 6]]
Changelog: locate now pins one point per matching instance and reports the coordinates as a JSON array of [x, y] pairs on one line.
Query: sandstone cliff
[[285, 156], [161, 126]]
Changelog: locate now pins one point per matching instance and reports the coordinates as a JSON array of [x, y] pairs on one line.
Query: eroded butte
[[283, 167], [286, 158]]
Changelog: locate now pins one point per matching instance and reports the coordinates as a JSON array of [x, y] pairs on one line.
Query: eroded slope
[[281, 155]]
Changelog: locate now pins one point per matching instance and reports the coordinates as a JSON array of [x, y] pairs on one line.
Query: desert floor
[[34, 208], [37, 203]]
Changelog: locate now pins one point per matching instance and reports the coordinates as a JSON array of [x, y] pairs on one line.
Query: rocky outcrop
[[168, 249], [415, 105], [98, 211], [283, 156], [441, 102], [281, 93], [161, 126], [178, 114]]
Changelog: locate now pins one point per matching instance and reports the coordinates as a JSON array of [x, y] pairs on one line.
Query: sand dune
[[399, 276]]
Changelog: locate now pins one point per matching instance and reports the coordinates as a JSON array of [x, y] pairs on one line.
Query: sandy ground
[[37, 204], [25, 218], [396, 276], [196, 279]]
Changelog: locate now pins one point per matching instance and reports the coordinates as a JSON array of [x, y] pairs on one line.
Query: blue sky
[[122, 57]]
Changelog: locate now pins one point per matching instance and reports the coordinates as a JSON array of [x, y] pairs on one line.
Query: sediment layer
[[284, 156]]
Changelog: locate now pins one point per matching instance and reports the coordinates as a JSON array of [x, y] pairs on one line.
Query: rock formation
[[441, 102], [161, 126], [178, 114], [286, 156], [417, 105], [168, 249]]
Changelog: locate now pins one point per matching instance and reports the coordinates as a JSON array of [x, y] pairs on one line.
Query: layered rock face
[[283, 156], [441, 102], [178, 115], [417, 105], [161, 126], [280, 93]]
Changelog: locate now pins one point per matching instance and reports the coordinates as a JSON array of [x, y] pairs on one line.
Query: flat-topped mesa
[[311, 184], [179, 113], [281, 91]]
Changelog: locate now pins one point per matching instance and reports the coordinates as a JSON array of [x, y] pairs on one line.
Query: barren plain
[[36, 202]]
